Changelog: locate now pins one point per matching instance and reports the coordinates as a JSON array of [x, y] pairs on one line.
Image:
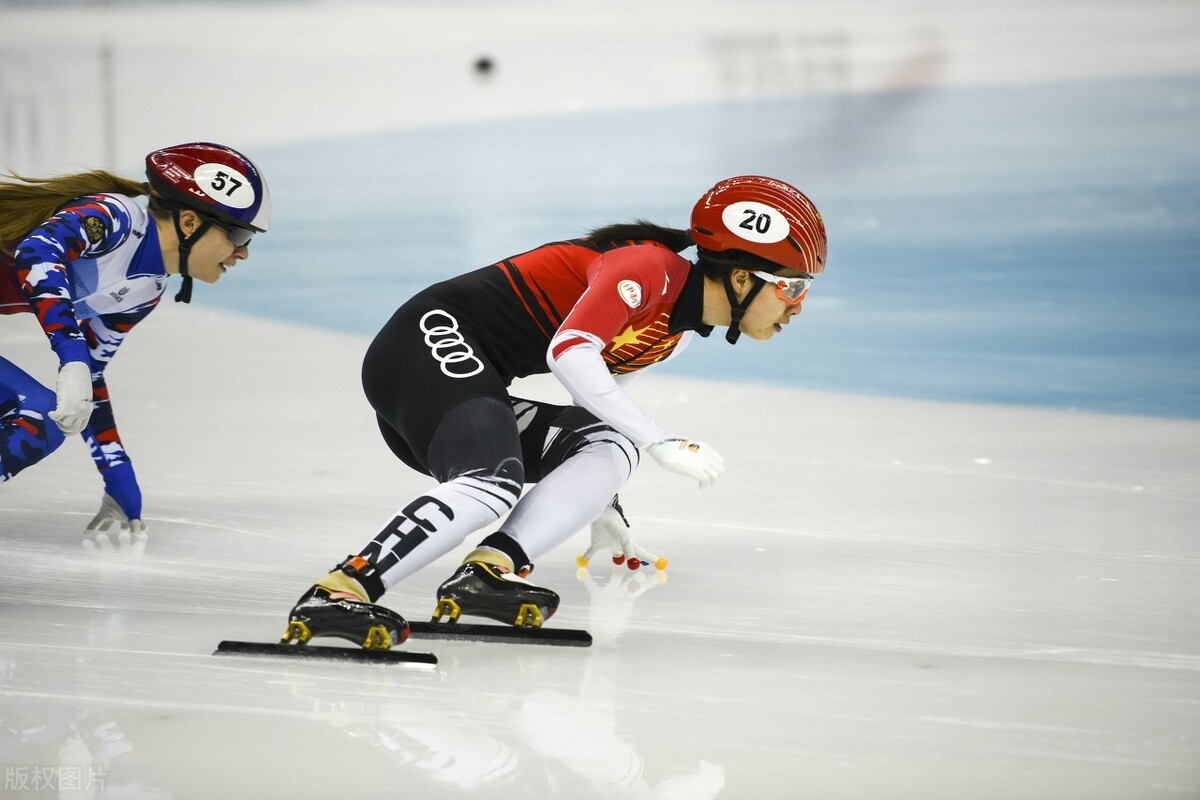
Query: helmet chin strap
[[185, 248], [738, 310]]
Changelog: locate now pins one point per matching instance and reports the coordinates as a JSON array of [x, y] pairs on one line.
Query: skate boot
[[486, 586], [338, 605]]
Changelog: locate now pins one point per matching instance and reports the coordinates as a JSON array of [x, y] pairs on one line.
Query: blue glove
[[120, 483]]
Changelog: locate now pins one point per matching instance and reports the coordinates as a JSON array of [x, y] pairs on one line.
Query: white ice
[[880, 599], [888, 599]]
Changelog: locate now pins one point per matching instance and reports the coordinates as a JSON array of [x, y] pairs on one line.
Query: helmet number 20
[[755, 221], [222, 179]]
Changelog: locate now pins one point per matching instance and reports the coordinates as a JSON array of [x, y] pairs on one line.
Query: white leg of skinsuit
[[572, 495], [438, 521]]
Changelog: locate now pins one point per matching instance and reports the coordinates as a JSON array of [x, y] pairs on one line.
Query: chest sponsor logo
[[630, 293], [445, 341]]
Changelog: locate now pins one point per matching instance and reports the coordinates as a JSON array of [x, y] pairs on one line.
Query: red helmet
[[764, 217], [213, 179]]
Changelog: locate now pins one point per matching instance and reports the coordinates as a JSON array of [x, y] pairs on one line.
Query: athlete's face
[[212, 254], [768, 313]]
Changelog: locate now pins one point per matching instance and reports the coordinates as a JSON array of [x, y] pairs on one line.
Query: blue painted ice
[[1035, 245]]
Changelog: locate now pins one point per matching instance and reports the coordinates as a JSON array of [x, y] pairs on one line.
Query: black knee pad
[[479, 434]]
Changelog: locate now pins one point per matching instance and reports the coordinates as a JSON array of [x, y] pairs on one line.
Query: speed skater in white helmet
[[91, 262]]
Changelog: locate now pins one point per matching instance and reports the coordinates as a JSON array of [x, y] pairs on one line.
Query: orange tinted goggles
[[789, 290]]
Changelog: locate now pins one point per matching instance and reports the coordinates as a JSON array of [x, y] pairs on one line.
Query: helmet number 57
[[220, 180]]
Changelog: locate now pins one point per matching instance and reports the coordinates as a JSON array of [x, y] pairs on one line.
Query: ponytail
[[642, 230], [26, 203], [714, 264]]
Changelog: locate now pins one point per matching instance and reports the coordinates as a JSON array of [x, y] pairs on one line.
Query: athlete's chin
[[762, 334], [210, 277]]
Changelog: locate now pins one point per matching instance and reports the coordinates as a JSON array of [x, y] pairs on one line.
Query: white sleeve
[[581, 369]]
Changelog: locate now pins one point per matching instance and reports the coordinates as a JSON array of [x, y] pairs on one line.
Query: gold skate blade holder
[[296, 632], [378, 638], [529, 615], [447, 607]]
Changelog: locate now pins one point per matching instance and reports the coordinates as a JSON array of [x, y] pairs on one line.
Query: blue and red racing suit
[[90, 273]]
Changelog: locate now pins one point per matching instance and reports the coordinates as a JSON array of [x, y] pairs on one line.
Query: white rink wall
[[102, 83]]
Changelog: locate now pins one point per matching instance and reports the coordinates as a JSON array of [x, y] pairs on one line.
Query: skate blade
[[362, 655], [457, 631]]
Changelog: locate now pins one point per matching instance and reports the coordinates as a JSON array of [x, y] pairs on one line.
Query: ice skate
[[486, 586], [338, 605]]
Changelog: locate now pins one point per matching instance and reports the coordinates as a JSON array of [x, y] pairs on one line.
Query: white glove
[[610, 532], [693, 459], [74, 397], [130, 535]]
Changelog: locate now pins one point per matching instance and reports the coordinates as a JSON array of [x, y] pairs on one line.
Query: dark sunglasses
[[238, 236]]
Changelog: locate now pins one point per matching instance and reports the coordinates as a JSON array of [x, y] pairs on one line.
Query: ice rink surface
[[880, 598], [884, 597]]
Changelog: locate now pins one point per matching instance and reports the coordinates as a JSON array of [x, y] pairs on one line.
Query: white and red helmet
[[212, 179], [764, 217]]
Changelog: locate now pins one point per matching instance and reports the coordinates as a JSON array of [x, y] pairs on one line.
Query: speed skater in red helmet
[[751, 219], [90, 261], [594, 311]]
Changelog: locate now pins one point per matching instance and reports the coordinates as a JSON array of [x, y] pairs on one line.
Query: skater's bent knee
[[596, 438], [477, 437]]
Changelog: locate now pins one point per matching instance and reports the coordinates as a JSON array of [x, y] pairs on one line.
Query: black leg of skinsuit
[[458, 424]]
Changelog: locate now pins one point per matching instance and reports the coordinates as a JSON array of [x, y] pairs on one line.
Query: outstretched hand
[[129, 535], [689, 458], [610, 532]]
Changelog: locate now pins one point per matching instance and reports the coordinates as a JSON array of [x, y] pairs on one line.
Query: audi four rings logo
[[447, 345]]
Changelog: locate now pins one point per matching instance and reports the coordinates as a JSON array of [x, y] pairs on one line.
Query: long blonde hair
[[26, 203]]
